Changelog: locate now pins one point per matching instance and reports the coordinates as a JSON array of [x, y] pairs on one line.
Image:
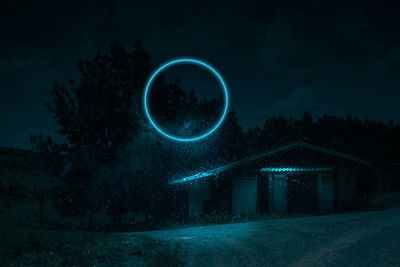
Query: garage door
[[244, 195]]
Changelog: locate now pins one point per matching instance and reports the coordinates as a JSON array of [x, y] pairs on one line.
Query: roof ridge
[[270, 153]]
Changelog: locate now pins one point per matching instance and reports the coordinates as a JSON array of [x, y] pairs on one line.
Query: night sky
[[277, 57]]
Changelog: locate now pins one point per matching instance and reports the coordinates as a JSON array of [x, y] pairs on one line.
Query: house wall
[[346, 190], [244, 195], [221, 201], [277, 193], [262, 193], [333, 191], [199, 191], [325, 192]]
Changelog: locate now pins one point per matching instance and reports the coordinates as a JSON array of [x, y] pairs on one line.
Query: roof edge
[[268, 153]]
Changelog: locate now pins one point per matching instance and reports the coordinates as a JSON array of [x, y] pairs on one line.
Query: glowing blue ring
[[178, 61]]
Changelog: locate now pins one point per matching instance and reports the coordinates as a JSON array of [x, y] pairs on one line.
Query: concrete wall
[[244, 195], [277, 192], [325, 192], [277, 189], [346, 192], [199, 191], [335, 191]]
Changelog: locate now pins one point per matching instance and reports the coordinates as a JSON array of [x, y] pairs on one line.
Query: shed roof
[[266, 154], [296, 169]]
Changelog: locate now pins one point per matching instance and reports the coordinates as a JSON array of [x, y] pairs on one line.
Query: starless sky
[[334, 57]]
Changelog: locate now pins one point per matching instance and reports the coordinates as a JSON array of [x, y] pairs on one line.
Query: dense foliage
[[376, 142], [114, 162]]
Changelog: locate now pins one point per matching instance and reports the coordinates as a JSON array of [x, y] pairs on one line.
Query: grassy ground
[[348, 239], [386, 200], [81, 248], [57, 248]]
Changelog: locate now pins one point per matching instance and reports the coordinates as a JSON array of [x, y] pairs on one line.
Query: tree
[[99, 117], [115, 162], [101, 113]]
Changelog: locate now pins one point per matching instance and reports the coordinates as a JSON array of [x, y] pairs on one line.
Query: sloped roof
[[269, 153]]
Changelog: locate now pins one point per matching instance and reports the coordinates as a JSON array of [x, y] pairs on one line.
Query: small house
[[295, 178]]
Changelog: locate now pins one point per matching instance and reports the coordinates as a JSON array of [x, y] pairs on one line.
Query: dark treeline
[[114, 161], [376, 142]]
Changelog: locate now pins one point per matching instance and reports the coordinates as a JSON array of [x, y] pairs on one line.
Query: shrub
[[158, 253], [386, 200], [56, 248]]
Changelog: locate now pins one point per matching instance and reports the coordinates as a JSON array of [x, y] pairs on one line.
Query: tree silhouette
[[100, 118], [115, 161]]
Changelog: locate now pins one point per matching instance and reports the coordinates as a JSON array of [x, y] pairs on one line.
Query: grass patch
[[159, 252], [56, 248], [386, 200], [48, 248]]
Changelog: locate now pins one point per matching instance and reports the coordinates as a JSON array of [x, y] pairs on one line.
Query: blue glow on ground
[[178, 61]]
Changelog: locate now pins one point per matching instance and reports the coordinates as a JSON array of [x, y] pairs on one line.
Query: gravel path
[[354, 239]]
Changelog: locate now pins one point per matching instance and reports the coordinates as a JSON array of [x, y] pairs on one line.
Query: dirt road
[[354, 239]]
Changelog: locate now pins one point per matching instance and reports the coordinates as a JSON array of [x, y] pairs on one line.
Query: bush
[[386, 200], [17, 190], [157, 253], [55, 248], [27, 248]]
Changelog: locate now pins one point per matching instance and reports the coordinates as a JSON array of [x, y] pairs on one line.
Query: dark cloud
[[332, 46], [299, 101], [341, 56]]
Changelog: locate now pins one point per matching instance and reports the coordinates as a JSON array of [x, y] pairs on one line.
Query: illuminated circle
[[192, 61]]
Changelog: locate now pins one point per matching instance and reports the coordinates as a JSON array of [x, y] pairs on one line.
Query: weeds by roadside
[[386, 200], [55, 248], [159, 252]]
